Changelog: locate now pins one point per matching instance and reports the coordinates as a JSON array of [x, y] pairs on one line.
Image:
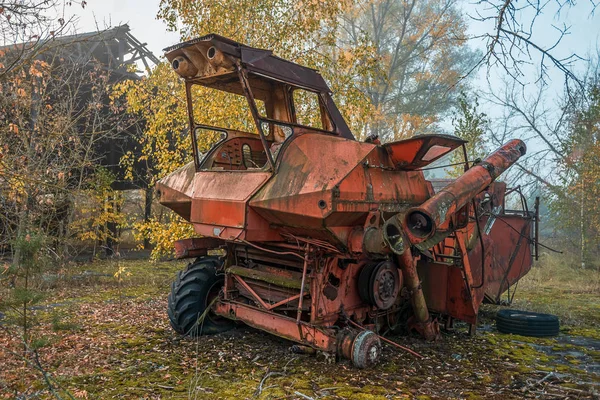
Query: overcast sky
[[140, 15], [582, 39]]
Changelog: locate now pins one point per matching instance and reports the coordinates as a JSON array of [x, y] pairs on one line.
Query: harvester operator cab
[[275, 100]]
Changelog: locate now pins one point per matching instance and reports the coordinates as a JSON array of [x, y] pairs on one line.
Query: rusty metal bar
[[280, 325], [251, 103], [478, 227], [466, 157], [282, 302], [251, 291], [284, 245], [299, 314], [190, 111], [512, 259], [462, 248]]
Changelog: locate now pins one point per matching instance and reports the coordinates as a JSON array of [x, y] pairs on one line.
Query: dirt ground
[[99, 338]]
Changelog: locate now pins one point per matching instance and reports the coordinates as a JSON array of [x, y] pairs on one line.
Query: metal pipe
[[184, 67], [421, 222], [428, 328]]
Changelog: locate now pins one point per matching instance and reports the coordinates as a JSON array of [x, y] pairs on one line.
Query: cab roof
[[257, 61]]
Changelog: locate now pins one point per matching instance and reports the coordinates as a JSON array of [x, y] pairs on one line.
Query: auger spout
[[421, 222]]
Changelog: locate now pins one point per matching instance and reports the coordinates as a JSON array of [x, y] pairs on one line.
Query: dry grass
[[558, 271], [554, 285]]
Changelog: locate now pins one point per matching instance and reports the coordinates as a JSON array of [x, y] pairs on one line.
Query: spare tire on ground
[[527, 323]]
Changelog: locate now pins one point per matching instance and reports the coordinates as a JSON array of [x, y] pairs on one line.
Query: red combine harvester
[[326, 239]]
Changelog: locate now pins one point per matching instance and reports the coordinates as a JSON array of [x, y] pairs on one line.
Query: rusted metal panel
[[434, 279], [302, 192], [257, 60], [510, 243], [196, 247], [220, 197], [174, 190], [420, 151]]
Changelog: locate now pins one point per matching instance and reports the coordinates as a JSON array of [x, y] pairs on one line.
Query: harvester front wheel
[[192, 292]]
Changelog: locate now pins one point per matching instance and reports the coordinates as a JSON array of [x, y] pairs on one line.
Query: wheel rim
[[213, 293], [385, 285], [379, 284]]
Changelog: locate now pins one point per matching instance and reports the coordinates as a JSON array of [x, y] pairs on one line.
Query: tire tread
[[527, 323], [187, 299]]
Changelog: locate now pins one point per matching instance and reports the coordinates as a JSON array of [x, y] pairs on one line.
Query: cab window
[[213, 108], [309, 111]]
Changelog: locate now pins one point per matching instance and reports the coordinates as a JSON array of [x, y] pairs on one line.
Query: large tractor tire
[[192, 292], [527, 323]]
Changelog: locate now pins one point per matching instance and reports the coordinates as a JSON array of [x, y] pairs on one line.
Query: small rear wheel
[[366, 350], [193, 290]]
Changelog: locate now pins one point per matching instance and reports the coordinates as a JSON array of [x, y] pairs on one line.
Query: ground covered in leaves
[[103, 337]]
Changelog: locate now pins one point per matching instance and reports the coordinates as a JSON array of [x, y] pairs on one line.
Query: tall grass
[[561, 271]]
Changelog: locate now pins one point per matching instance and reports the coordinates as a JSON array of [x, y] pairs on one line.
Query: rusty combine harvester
[[328, 240]]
